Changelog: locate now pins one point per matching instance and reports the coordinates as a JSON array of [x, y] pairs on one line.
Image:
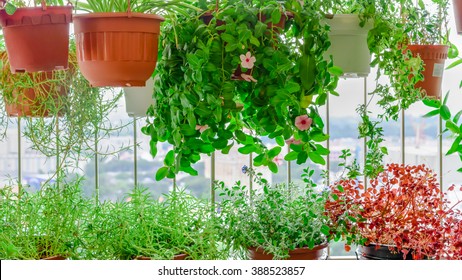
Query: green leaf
[[452, 127], [340, 188], [335, 70], [228, 38], [10, 9], [434, 103], [432, 113], [274, 152], [273, 167], [247, 149], [454, 146], [161, 173], [170, 158], [291, 156], [276, 16], [445, 113], [302, 157], [280, 140], [325, 230], [240, 135], [153, 148], [316, 158], [454, 64]]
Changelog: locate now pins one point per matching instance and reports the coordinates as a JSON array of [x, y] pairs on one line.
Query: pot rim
[[118, 15]]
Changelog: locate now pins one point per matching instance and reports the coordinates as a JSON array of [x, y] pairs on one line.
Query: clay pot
[[54, 258], [117, 49], [317, 253], [433, 57], [37, 38]]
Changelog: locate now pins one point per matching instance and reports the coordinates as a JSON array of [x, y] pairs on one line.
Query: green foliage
[[140, 6], [43, 224], [203, 103], [275, 218]]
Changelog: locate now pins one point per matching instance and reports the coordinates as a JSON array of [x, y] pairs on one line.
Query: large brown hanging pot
[[433, 57], [117, 49], [317, 253], [37, 38], [457, 5]]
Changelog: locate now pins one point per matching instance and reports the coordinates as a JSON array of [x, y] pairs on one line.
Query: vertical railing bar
[[365, 138], [96, 167], [289, 168], [57, 152], [19, 155], [135, 154], [440, 149], [251, 168], [212, 179], [403, 137], [328, 140]]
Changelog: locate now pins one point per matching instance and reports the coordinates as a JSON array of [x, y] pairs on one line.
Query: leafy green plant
[[140, 6], [42, 224], [236, 78], [141, 227], [276, 218]]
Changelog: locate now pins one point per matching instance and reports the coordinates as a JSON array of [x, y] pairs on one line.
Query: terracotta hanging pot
[[349, 45], [433, 57], [117, 49], [138, 99], [457, 5], [32, 102], [317, 253], [37, 38]]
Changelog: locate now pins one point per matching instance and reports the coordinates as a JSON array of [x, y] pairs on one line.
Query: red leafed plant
[[403, 207]]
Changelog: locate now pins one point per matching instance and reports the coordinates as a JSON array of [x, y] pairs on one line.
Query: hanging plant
[[200, 106]]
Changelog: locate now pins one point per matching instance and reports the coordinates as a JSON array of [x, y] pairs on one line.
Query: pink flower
[[247, 60], [278, 160], [293, 141], [201, 128], [303, 122], [248, 78]]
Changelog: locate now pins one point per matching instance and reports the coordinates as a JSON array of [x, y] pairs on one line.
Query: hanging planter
[[433, 57], [457, 5], [138, 99], [37, 38], [117, 49], [317, 253], [349, 45]]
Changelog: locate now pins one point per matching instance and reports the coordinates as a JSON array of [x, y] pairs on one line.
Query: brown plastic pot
[[457, 5], [117, 49], [37, 38], [317, 253], [29, 102], [433, 57], [54, 258]]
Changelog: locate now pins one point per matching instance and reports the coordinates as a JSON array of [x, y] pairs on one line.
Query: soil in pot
[[317, 253]]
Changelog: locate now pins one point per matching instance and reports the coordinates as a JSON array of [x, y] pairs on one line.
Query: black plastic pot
[[381, 252]]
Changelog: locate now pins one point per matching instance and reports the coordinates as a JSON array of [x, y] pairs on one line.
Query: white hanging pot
[[138, 99], [349, 45]]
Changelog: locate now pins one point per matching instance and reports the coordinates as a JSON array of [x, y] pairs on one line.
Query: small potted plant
[[401, 215], [42, 225], [37, 38], [178, 227], [275, 222]]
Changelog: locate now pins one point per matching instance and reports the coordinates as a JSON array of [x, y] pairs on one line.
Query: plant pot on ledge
[[37, 38], [117, 49], [433, 57], [380, 252], [317, 253]]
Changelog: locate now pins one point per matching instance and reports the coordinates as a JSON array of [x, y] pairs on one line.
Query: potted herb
[[401, 215], [178, 227], [37, 38], [42, 225], [275, 222], [231, 80], [118, 40]]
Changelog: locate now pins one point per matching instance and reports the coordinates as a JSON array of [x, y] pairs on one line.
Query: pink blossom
[[201, 128], [293, 141], [248, 78], [247, 60], [278, 160], [303, 122]]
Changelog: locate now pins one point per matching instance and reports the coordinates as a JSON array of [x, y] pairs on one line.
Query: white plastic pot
[[349, 45], [138, 99]]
